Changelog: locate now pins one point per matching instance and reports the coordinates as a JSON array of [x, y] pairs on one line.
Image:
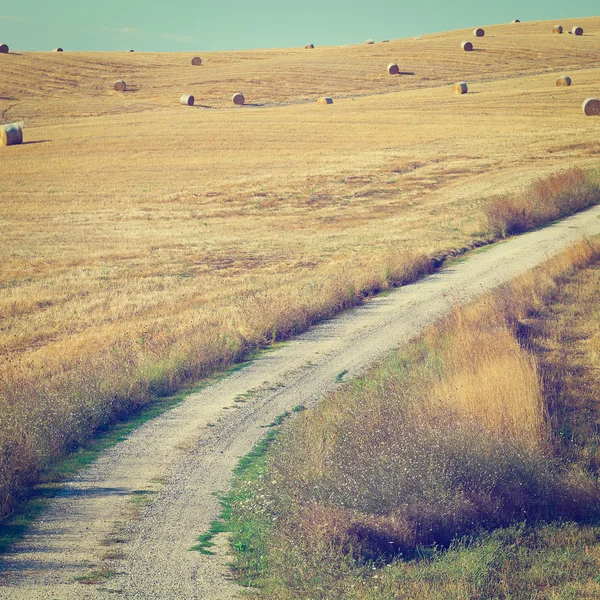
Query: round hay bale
[[563, 81], [3, 49], [516, 21], [577, 31], [57, 50], [460, 88], [120, 86], [467, 46], [11, 135], [197, 61], [325, 100], [132, 51], [187, 100], [369, 42], [557, 29], [309, 46], [591, 107], [238, 99], [479, 32], [393, 69]]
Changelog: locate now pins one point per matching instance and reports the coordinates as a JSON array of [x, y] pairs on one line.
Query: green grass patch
[[96, 577], [246, 474], [341, 375]]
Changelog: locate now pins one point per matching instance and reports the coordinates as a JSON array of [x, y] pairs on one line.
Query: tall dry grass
[[546, 200], [451, 438]]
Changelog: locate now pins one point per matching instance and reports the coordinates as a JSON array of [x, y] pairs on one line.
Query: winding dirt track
[[177, 461]]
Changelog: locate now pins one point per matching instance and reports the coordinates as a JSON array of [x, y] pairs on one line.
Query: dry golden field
[[166, 236]]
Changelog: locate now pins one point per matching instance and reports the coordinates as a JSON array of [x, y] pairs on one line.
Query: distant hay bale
[[309, 46], [132, 51], [460, 88], [467, 46], [516, 21], [57, 50], [369, 42], [393, 69], [577, 30], [325, 100], [197, 61], [187, 100], [591, 107], [384, 41], [479, 32], [238, 99], [563, 81], [11, 134], [557, 29], [120, 86], [3, 49]]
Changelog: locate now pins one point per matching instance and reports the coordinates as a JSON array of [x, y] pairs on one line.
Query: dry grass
[[545, 200], [144, 245], [415, 455]]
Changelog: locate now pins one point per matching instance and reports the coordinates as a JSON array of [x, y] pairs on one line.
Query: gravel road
[[128, 521]]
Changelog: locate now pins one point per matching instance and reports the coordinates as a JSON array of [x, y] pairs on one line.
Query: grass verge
[[453, 471]]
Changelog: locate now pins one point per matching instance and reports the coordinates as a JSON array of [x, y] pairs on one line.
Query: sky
[[199, 25]]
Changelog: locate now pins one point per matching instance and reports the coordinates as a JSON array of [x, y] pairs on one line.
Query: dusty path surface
[[127, 523]]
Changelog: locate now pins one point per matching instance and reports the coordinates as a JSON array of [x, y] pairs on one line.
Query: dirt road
[[171, 466]]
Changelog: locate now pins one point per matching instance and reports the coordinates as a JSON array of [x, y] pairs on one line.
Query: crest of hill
[[76, 84]]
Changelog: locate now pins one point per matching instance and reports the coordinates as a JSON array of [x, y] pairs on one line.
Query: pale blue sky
[[187, 25]]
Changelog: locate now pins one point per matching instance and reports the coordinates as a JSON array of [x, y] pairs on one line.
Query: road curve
[[126, 524]]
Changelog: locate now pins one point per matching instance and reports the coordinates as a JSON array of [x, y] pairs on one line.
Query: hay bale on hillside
[[197, 61], [238, 99], [11, 134], [460, 88], [120, 86], [479, 32], [467, 46], [3, 49], [577, 31], [309, 46], [369, 42], [516, 21], [591, 107], [393, 69], [557, 29], [57, 50], [325, 100], [563, 81], [384, 41], [187, 100], [132, 51]]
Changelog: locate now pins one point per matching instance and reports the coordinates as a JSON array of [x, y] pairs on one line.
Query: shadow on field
[[36, 142]]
